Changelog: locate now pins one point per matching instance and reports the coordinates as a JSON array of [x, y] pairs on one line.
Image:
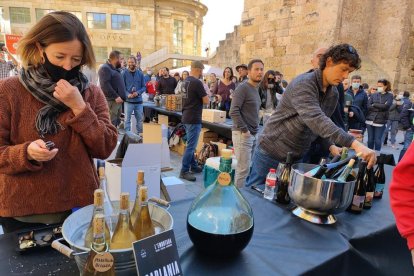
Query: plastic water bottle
[[270, 185]]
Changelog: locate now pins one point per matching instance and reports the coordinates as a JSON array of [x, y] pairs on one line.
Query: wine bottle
[[379, 177], [137, 204], [109, 209], [318, 171], [124, 235], [282, 195], [345, 173], [370, 180], [98, 209], [358, 198], [99, 260], [333, 168], [344, 153], [143, 226]]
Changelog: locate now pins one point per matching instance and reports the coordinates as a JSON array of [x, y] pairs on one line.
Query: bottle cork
[[124, 201], [351, 163], [226, 153], [101, 172], [98, 197], [140, 178], [98, 224]]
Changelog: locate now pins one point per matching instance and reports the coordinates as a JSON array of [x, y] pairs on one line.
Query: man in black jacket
[[166, 84], [112, 84]]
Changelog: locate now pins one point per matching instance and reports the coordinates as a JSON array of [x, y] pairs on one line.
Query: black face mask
[[57, 73]]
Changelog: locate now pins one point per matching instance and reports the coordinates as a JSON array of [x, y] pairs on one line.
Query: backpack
[[176, 134], [208, 150]]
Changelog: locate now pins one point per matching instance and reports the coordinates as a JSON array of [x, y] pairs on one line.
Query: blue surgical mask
[[380, 89], [355, 85]]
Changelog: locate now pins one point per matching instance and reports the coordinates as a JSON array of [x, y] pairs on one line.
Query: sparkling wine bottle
[[345, 173], [137, 204], [143, 226], [124, 235], [99, 260], [98, 209]]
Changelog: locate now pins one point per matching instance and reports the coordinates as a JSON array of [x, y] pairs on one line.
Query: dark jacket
[[378, 107], [407, 116], [111, 82], [167, 85], [395, 110], [360, 99], [263, 95]]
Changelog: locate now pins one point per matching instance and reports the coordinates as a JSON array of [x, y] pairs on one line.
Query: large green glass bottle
[[220, 220]]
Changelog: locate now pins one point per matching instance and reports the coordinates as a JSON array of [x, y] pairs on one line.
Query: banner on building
[[11, 42]]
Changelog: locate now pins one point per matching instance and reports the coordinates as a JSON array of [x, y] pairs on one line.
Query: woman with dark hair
[[269, 87], [51, 100], [225, 88], [181, 80], [378, 110]]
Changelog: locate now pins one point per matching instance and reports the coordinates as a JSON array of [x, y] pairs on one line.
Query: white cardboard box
[[155, 133], [175, 187], [213, 116], [122, 173]]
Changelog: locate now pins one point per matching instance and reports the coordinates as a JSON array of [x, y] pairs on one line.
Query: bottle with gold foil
[[99, 261], [137, 204], [143, 226], [124, 235], [220, 220], [98, 209]]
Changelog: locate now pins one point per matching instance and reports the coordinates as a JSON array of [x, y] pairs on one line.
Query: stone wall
[[284, 33]]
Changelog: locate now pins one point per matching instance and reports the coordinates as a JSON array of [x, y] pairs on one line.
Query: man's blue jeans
[[192, 132], [375, 135], [138, 113], [262, 163], [408, 138]]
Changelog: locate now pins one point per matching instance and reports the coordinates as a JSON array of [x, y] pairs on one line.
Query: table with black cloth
[[223, 129], [282, 244]]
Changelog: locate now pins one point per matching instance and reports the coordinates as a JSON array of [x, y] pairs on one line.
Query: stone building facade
[[284, 33], [125, 25]]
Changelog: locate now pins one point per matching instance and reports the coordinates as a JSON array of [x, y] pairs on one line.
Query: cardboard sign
[[157, 255], [11, 42]]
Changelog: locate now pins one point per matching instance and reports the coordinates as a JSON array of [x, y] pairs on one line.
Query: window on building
[[178, 36], [77, 14], [195, 44], [126, 52], [96, 20], [20, 15], [41, 12], [2, 21], [101, 53], [120, 22]]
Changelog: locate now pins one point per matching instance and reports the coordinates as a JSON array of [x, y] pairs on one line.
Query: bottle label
[[368, 198], [103, 262], [271, 182], [224, 179], [358, 203], [379, 189]]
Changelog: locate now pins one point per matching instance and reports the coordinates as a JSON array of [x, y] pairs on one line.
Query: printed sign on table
[[157, 255]]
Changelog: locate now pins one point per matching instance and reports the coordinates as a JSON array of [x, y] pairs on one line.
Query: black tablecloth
[[282, 244]]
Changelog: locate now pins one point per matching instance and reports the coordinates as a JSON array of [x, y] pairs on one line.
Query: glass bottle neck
[[225, 165], [99, 243]]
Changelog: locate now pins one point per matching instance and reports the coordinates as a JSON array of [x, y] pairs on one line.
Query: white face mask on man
[[355, 85], [380, 89]]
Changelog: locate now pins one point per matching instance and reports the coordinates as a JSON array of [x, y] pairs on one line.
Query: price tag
[[103, 262], [224, 179]]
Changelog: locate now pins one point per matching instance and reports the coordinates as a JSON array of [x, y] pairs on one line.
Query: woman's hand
[[70, 96], [38, 151]]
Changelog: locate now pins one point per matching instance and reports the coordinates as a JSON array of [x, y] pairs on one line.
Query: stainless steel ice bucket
[[319, 197], [75, 226]]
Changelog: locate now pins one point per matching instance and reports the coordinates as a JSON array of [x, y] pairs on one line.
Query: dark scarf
[[38, 82]]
